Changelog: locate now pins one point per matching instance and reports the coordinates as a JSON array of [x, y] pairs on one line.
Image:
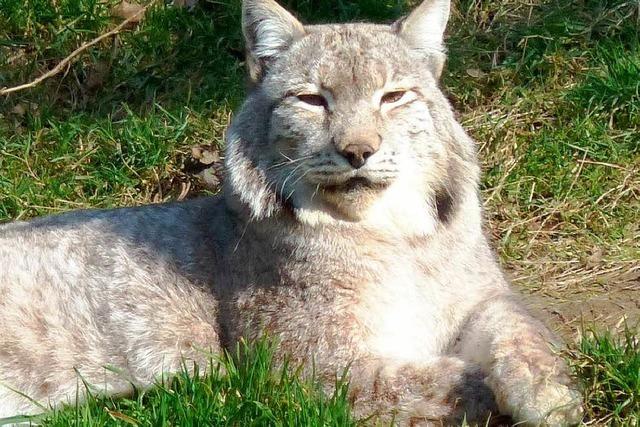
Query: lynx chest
[[407, 314]]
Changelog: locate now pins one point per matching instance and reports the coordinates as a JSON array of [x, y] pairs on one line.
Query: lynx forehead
[[349, 228], [351, 62]]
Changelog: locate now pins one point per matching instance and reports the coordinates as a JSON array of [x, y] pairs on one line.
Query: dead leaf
[[595, 259], [476, 73], [96, 75], [19, 110], [210, 157], [196, 152], [206, 155], [210, 178], [126, 10]]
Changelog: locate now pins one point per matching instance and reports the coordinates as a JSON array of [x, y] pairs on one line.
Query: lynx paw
[[552, 404], [543, 403]]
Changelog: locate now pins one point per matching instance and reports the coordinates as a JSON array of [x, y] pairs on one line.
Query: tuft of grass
[[611, 91], [246, 388], [609, 367]]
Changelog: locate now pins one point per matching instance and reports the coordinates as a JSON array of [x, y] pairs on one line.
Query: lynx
[[349, 228]]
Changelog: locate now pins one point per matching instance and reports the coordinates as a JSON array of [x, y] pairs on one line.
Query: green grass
[[549, 89], [609, 367], [237, 391], [247, 388]]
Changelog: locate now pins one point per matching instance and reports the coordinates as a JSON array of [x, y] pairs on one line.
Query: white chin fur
[[401, 209]]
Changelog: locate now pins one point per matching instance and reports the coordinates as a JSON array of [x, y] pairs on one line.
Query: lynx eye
[[392, 97], [313, 99]]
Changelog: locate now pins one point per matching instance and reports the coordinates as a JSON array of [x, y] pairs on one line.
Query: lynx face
[[355, 114], [341, 122]]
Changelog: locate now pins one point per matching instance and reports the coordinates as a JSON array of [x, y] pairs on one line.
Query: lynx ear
[[424, 29], [268, 31]]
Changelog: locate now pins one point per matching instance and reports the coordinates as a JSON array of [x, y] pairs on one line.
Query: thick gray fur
[[384, 268]]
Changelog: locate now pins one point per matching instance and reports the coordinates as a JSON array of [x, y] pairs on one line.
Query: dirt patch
[[599, 299]]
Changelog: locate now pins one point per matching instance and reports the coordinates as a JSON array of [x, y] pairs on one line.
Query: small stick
[[66, 61]]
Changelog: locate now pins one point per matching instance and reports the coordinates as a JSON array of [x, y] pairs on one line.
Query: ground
[[550, 90]]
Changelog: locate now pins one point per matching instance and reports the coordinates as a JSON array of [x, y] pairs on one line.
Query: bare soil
[[608, 299]]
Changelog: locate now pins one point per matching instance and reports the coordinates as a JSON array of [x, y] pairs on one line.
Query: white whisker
[[289, 161], [315, 192], [293, 185], [289, 177]]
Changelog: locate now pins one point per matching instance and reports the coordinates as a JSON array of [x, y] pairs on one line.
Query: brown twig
[[84, 46]]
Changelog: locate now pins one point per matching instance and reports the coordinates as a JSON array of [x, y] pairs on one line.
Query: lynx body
[[350, 228]]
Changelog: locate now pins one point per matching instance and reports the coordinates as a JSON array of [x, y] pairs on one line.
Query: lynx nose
[[357, 154]]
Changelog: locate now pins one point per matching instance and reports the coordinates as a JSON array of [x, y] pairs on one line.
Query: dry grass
[[561, 154]]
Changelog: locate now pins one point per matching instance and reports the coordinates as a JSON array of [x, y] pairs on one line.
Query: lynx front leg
[[530, 382], [443, 392]]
